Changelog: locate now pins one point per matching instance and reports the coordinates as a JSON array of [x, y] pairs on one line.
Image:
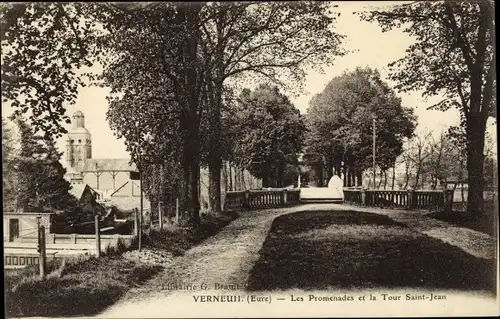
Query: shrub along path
[[234, 255]]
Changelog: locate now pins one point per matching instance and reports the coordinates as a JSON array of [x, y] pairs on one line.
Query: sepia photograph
[[249, 159]]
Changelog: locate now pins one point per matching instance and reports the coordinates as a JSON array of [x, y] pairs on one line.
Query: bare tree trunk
[[319, 176], [231, 177], [243, 179], [225, 177], [189, 121], [417, 177], [265, 181], [407, 174], [475, 165], [359, 177], [393, 175], [237, 179], [189, 216], [329, 169], [381, 179]]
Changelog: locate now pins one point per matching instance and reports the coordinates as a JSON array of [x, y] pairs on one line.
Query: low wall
[[17, 260], [255, 199], [72, 239], [411, 199], [23, 251]]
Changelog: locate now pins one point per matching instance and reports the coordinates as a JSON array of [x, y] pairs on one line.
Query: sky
[[369, 45]]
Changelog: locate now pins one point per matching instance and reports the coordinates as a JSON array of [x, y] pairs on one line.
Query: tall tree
[[41, 183], [454, 56], [270, 134], [419, 152], [156, 62], [340, 123]]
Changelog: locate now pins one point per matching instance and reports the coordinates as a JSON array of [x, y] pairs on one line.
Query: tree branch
[[254, 32], [83, 51], [464, 101], [461, 41]]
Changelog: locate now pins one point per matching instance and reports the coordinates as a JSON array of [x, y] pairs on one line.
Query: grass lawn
[[85, 287], [348, 249], [486, 224]]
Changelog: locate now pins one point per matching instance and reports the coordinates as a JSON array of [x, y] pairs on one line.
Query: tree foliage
[[269, 134], [340, 124], [8, 173], [40, 176], [45, 46]]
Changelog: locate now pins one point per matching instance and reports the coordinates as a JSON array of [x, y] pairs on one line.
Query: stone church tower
[[79, 143]]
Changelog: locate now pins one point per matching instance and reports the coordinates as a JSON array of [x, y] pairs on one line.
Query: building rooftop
[[78, 130], [77, 190]]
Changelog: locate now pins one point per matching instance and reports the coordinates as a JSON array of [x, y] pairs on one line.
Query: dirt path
[[227, 258], [224, 259]]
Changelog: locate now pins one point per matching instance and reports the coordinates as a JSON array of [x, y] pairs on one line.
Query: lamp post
[[374, 151]]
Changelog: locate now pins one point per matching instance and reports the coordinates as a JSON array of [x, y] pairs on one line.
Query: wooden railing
[[252, 199], [411, 199]]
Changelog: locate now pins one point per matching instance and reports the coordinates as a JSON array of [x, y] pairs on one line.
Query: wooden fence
[[411, 199], [254, 199]]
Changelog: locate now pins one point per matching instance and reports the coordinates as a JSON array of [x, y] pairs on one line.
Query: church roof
[[109, 164]]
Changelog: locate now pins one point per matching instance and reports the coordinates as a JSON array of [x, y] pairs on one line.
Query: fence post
[[43, 252], [448, 200], [160, 216], [177, 210], [412, 200], [285, 197], [363, 197], [136, 222], [246, 200], [97, 236]]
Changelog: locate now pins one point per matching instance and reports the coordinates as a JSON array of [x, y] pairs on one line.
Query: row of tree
[[262, 134], [177, 63], [172, 64], [431, 161]]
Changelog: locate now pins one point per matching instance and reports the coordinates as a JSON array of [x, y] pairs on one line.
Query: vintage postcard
[[249, 159]]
